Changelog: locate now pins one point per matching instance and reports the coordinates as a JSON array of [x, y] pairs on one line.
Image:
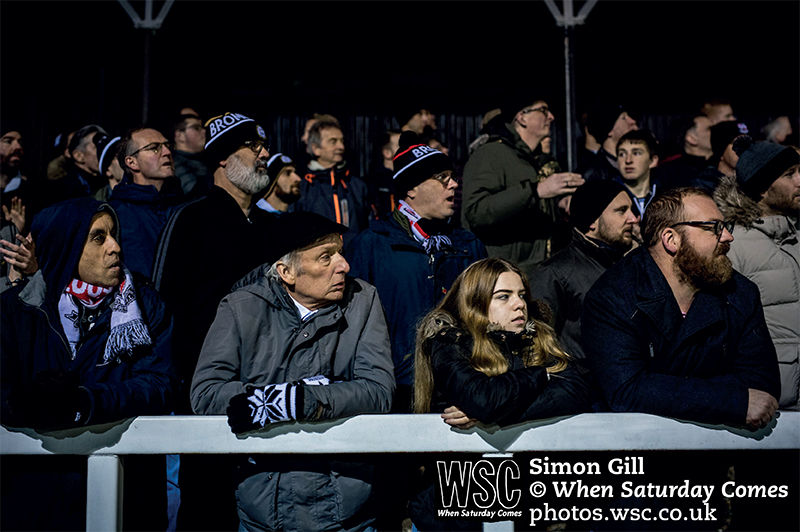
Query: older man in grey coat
[[299, 340]]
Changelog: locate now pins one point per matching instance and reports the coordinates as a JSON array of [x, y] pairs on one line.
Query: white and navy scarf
[[128, 329], [431, 243]]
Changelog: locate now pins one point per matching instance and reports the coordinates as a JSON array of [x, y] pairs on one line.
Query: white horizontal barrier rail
[[372, 434], [400, 433]]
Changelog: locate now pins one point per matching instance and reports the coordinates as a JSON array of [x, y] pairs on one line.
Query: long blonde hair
[[466, 306]]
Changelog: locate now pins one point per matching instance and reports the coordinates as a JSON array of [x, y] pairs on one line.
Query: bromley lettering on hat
[[229, 132], [420, 151], [222, 123]]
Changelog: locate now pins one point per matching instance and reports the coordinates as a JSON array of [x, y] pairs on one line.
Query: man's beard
[[785, 204], [703, 272], [615, 240], [247, 179], [287, 196]]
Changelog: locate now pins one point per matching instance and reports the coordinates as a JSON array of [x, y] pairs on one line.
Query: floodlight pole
[[568, 21], [151, 24]]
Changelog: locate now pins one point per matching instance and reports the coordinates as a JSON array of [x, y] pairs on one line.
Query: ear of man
[[132, 163], [670, 240], [286, 274]]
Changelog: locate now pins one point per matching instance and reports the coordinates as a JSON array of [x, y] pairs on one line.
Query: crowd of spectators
[[197, 270]]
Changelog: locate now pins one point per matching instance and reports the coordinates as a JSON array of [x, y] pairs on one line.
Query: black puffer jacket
[[520, 394]]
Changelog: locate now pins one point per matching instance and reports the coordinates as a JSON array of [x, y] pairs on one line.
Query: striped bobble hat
[[416, 162]]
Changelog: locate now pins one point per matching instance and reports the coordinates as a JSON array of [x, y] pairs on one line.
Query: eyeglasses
[[196, 127], [256, 146], [544, 110], [445, 179], [716, 226], [155, 147]]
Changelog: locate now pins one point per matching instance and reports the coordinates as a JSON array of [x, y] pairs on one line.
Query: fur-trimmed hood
[[734, 204]]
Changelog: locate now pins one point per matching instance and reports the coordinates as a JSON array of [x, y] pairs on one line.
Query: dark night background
[[64, 64]]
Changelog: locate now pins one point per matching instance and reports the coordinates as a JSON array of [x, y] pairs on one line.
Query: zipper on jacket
[[652, 353], [49, 324]]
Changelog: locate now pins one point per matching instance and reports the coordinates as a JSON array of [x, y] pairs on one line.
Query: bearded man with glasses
[[208, 245], [673, 330]]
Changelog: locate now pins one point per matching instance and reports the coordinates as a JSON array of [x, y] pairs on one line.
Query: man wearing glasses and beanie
[[673, 330], [205, 248]]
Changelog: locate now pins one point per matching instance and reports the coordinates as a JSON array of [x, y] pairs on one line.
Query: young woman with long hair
[[487, 354], [489, 350]]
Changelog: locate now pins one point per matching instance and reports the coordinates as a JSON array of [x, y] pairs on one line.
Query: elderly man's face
[[99, 263], [330, 150], [319, 278], [11, 150]]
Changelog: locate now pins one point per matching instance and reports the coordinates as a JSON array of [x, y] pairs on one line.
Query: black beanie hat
[[228, 133], [724, 133], [416, 162], [276, 163], [590, 200], [295, 230], [601, 118], [760, 164], [82, 133]]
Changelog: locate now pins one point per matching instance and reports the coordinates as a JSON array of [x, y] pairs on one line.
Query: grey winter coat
[[765, 249], [258, 338]]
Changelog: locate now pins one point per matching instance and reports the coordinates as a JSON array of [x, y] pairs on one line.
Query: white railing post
[[104, 493]]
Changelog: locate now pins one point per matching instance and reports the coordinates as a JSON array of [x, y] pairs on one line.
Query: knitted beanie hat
[[228, 133], [760, 164], [82, 133], [106, 150], [724, 133], [416, 162], [590, 200], [276, 164]]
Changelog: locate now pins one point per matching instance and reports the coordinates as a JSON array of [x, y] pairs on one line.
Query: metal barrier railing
[[104, 444]]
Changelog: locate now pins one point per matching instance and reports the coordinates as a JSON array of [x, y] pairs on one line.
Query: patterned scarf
[[431, 243], [128, 329]]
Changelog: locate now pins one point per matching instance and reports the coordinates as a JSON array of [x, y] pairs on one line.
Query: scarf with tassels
[[431, 243], [128, 329]]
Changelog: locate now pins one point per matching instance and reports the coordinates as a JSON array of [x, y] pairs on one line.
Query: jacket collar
[[258, 283], [605, 255], [655, 299]]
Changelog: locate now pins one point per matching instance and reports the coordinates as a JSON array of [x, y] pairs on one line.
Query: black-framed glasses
[[155, 147], [544, 110], [445, 178], [256, 146], [716, 226]]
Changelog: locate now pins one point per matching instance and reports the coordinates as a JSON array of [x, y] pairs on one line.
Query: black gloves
[[52, 400], [272, 403]]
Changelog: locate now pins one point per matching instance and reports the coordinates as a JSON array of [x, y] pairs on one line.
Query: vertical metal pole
[[103, 493]]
